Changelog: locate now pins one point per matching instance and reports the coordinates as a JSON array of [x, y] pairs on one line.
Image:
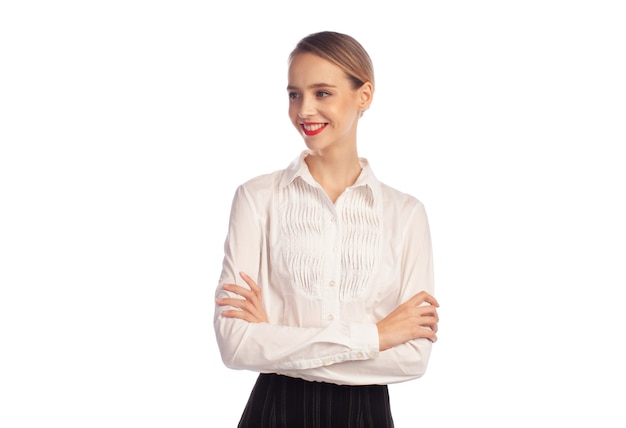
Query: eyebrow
[[313, 86]]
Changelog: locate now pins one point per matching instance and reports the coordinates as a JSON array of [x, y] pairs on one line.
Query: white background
[[125, 127]]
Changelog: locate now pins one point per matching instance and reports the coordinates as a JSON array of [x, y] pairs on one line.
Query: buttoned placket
[[332, 266], [331, 287]]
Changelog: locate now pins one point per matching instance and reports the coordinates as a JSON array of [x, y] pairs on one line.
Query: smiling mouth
[[313, 128]]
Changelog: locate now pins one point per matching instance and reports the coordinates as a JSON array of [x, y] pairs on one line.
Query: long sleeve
[[270, 347]]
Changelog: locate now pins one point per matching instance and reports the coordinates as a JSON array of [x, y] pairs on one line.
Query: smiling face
[[324, 105]]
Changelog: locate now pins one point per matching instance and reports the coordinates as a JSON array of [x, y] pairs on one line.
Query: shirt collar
[[299, 168]]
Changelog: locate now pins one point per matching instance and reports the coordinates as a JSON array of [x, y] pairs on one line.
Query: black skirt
[[284, 402]]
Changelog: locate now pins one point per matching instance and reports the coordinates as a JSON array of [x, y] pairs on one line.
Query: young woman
[[327, 280]]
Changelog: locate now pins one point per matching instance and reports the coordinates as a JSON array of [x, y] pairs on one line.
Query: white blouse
[[328, 272]]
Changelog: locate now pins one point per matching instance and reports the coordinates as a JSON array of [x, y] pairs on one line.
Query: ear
[[366, 95]]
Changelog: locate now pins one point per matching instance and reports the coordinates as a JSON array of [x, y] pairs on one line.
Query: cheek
[[348, 111], [291, 111]]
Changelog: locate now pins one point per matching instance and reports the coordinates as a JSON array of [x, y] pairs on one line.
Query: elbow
[[225, 343], [415, 369], [230, 356], [230, 336], [416, 362], [227, 351], [230, 361]]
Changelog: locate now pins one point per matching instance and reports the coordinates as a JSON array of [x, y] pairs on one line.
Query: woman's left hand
[[250, 307]]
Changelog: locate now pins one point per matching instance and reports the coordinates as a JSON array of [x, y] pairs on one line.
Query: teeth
[[313, 127]]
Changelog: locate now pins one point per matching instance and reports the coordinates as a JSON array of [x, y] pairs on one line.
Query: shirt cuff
[[365, 340]]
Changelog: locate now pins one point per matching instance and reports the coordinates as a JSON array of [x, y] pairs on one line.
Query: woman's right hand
[[416, 318]]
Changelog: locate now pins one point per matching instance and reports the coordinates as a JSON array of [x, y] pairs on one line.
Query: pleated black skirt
[[284, 402]]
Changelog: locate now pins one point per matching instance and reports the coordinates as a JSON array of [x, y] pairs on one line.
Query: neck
[[334, 171]]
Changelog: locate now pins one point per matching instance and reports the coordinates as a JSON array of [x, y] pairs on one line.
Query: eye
[[322, 94], [293, 95]]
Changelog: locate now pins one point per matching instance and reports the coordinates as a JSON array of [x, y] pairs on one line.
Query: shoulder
[[394, 201], [268, 184], [404, 212], [259, 189], [403, 202], [263, 181]]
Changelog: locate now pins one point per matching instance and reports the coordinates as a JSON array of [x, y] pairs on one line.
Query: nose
[[306, 107]]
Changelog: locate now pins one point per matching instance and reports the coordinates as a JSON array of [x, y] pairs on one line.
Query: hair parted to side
[[341, 50]]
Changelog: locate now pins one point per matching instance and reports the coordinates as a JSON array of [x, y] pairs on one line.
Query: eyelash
[[319, 94]]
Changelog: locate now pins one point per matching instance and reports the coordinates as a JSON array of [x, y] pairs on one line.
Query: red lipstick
[[312, 128]]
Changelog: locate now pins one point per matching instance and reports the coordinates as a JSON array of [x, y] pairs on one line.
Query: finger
[[425, 311], [245, 305], [430, 323], [244, 311], [234, 302], [248, 280], [238, 289], [423, 297], [251, 283], [417, 316], [428, 298], [250, 302], [242, 315], [433, 325], [428, 333]]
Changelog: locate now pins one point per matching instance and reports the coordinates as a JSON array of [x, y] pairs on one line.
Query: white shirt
[[328, 273]]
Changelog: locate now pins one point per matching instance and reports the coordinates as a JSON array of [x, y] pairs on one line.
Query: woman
[[327, 279]]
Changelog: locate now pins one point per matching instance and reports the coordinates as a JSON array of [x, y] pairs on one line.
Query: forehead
[[307, 68]]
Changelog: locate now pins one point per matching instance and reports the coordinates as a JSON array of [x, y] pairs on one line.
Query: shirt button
[[331, 283], [359, 355], [330, 317], [333, 219]]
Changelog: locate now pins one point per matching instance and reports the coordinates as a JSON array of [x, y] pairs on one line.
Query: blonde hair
[[341, 50]]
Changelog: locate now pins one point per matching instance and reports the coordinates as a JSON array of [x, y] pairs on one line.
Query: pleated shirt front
[[328, 272]]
